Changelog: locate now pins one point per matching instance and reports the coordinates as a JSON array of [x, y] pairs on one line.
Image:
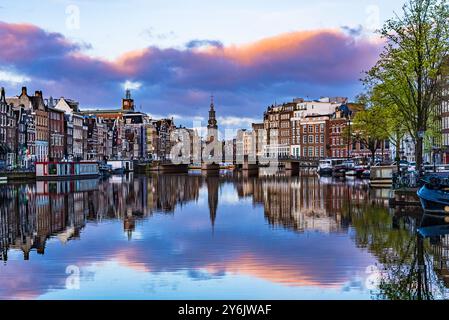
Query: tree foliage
[[411, 69]]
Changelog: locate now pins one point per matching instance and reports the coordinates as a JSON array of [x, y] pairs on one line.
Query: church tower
[[128, 102], [212, 126], [212, 123]]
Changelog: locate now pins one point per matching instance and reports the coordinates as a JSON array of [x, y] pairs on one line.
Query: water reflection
[[227, 236]]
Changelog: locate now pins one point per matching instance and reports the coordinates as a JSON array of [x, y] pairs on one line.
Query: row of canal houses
[[34, 129], [312, 129]]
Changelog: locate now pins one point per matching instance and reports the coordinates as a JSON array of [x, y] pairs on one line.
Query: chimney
[[2, 95], [24, 91], [38, 94]]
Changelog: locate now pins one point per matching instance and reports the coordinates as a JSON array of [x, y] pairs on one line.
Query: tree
[[411, 69], [367, 129], [393, 128]]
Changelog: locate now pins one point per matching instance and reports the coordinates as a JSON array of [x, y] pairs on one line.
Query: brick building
[[7, 132], [39, 111], [313, 140], [278, 129], [56, 127]]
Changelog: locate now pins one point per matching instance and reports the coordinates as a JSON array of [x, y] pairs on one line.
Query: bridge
[[289, 163]]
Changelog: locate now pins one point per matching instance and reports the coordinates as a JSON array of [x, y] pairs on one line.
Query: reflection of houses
[[165, 192], [304, 203], [439, 247], [30, 214]]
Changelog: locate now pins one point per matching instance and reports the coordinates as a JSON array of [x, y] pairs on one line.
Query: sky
[[175, 54]]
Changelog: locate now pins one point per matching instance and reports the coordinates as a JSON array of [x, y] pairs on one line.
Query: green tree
[[393, 128], [411, 69], [367, 129]]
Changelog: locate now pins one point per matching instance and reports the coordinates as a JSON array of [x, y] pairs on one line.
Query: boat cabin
[[66, 170]]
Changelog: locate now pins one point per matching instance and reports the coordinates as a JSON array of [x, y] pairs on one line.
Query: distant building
[[7, 132], [164, 127], [39, 111], [260, 136], [68, 137], [56, 132], [125, 129]]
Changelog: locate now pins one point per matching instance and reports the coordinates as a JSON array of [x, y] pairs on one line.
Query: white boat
[[121, 166], [326, 166]]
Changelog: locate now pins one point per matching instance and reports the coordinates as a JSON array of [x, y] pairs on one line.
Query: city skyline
[[173, 70]]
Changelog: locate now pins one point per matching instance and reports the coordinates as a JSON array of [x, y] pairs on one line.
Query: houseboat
[[66, 170]]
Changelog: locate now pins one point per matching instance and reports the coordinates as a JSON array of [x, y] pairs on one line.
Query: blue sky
[[264, 41]]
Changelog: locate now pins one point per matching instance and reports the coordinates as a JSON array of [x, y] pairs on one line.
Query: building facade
[[57, 134], [7, 133]]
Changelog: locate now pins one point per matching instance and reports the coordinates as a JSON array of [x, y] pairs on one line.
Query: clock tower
[[212, 123]]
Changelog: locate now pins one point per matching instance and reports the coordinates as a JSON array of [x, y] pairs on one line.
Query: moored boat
[[121, 166], [434, 195], [105, 169], [66, 170], [339, 171], [325, 167]]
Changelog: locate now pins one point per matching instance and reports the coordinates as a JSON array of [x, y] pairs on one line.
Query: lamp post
[[420, 137], [435, 150]]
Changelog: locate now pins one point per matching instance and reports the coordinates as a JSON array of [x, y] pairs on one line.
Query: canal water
[[225, 237]]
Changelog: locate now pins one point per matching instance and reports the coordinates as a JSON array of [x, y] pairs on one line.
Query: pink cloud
[[318, 62]]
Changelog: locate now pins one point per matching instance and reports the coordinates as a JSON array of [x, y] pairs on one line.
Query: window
[[310, 139]]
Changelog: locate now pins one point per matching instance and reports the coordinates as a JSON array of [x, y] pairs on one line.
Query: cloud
[[353, 31], [132, 85], [244, 78], [149, 33], [204, 43], [239, 122], [11, 77]]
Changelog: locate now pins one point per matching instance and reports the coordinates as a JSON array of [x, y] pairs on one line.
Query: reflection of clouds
[[196, 284], [182, 245], [227, 197], [254, 267]]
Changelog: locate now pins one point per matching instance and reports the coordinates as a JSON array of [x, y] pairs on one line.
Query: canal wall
[[18, 175]]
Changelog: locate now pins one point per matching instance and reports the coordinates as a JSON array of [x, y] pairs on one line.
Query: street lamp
[[420, 137], [435, 150]]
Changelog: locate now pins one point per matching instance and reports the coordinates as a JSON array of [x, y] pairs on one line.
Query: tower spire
[[212, 123], [2, 95]]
